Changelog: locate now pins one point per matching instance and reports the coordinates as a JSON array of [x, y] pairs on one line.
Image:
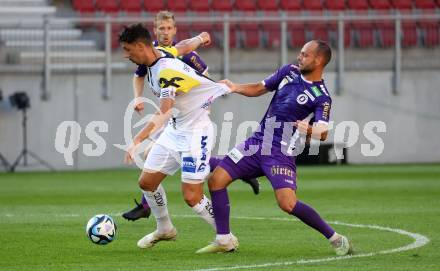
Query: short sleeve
[[271, 83], [322, 109], [168, 92], [141, 71], [195, 61]]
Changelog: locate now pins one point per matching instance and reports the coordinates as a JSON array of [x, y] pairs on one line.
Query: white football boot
[[217, 247], [151, 239]]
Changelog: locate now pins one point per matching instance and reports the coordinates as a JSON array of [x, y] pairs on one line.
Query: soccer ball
[[101, 229]]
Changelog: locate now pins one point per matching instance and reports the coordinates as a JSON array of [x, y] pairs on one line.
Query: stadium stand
[[334, 5], [357, 4], [402, 4], [178, 5], [313, 5], [425, 4], [245, 5], [290, 5], [154, 5], [107, 6], [380, 33], [222, 5], [268, 5], [380, 4], [131, 6], [199, 5], [83, 6]]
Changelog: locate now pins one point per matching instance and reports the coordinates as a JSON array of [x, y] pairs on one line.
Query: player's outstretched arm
[[249, 90], [187, 46], [317, 131]]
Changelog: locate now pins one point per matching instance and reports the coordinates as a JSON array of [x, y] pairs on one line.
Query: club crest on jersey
[[302, 98]]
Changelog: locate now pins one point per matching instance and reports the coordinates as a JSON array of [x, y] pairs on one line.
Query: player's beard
[[306, 70]]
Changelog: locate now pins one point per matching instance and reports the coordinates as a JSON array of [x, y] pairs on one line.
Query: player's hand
[[206, 38], [129, 155], [302, 126], [229, 84], [138, 106]]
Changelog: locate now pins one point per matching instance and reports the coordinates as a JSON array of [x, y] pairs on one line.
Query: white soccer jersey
[[193, 93]]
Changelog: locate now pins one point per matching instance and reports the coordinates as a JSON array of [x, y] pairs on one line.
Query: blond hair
[[164, 15]]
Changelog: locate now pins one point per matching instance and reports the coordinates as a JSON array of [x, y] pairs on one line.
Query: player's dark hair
[[135, 32], [324, 50]]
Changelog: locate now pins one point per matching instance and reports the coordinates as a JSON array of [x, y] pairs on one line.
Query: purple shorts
[[280, 169]]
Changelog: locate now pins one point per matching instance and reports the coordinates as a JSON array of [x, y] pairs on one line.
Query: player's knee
[[216, 182], [191, 197], [145, 185], [287, 205]]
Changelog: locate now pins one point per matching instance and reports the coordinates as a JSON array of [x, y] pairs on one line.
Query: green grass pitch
[[43, 218]]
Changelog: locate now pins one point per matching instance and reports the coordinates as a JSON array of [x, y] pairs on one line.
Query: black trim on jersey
[[167, 55]]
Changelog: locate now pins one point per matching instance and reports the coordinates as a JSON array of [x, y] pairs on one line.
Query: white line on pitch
[[419, 241]]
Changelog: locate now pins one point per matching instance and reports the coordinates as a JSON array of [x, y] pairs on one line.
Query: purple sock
[[214, 161], [310, 217], [144, 203], [220, 206]]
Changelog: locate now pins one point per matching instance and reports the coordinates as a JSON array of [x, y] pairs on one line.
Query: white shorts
[[189, 151]]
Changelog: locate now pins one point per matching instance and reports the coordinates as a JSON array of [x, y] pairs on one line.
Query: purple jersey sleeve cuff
[[141, 71]]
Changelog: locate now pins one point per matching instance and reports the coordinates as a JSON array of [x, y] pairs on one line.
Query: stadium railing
[[81, 48]]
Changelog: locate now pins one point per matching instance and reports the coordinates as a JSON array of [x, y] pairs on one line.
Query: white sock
[[158, 204], [334, 237], [223, 238], [204, 210]]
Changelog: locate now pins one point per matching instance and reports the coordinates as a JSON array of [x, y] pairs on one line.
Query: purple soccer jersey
[[192, 59], [294, 99]]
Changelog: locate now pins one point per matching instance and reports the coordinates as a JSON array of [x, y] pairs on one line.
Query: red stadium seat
[[218, 35], [154, 6], [333, 34], [197, 28], [386, 30], [409, 34], [183, 32], [312, 5], [357, 4], [425, 4], [268, 5], [363, 31], [132, 6], [250, 34], [245, 5], [430, 32], [221, 5], [318, 30], [178, 5], [380, 4], [402, 4], [272, 34], [334, 4], [199, 5], [290, 5], [297, 35], [107, 6], [83, 6]]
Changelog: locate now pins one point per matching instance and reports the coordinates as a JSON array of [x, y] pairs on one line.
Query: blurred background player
[[165, 31], [300, 97]]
